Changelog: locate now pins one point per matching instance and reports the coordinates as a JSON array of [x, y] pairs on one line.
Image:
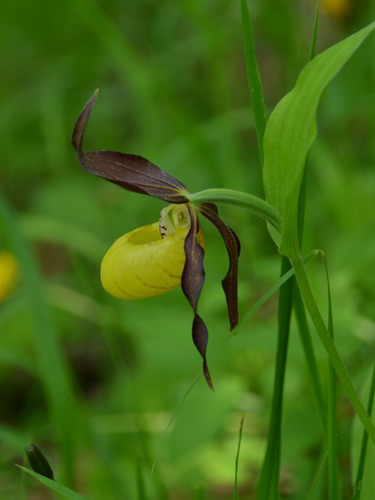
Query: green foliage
[[62, 491], [291, 130], [112, 390]]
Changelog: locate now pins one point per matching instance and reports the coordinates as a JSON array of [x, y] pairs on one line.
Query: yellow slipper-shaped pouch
[[148, 261]]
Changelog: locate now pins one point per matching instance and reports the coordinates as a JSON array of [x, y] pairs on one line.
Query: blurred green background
[[95, 381]]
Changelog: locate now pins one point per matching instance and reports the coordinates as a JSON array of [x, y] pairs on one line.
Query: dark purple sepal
[[232, 243], [192, 282], [131, 172]]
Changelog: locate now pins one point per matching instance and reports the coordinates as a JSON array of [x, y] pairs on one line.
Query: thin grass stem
[[235, 494], [333, 484], [317, 476], [268, 482], [305, 336], [315, 32], [253, 76], [364, 444], [335, 359], [141, 488]]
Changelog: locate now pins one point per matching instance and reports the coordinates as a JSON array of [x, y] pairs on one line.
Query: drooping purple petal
[[191, 282], [200, 338], [131, 172], [232, 243]]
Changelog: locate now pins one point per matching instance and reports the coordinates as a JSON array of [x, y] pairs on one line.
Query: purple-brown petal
[[131, 172], [200, 338], [192, 282], [232, 243], [134, 173]]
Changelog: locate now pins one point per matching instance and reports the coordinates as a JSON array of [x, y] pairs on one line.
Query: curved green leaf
[[63, 492], [291, 130]]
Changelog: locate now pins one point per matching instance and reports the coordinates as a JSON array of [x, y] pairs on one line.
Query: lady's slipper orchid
[[157, 258]]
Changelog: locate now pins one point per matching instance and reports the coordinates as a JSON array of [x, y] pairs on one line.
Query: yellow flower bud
[[8, 274], [148, 261]]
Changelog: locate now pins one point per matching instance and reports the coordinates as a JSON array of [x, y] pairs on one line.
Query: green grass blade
[[269, 477], [317, 477], [315, 32], [235, 495], [253, 76], [305, 336], [333, 484], [141, 489], [62, 491], [364, 444]]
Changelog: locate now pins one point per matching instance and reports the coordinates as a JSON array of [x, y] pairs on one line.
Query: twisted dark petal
[[200, 338], [192, 282], [131, 172], [232, 243]]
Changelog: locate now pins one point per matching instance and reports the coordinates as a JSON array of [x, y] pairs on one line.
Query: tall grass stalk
[[268, 483], [141, 487], [235, 495], [305, 336], [253, 75], [364, 444], [318, 476], [333, 478]]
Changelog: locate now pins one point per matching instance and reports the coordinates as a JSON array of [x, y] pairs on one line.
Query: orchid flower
[[157, 258]]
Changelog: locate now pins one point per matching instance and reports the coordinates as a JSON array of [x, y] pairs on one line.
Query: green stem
[[329, 346], [253, 76], [362, 457], [241, 200], [269, 477], [303, 327], [333, 469]]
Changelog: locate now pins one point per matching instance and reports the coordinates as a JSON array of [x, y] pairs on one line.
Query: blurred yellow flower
[[8, 274], [337, 9]]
